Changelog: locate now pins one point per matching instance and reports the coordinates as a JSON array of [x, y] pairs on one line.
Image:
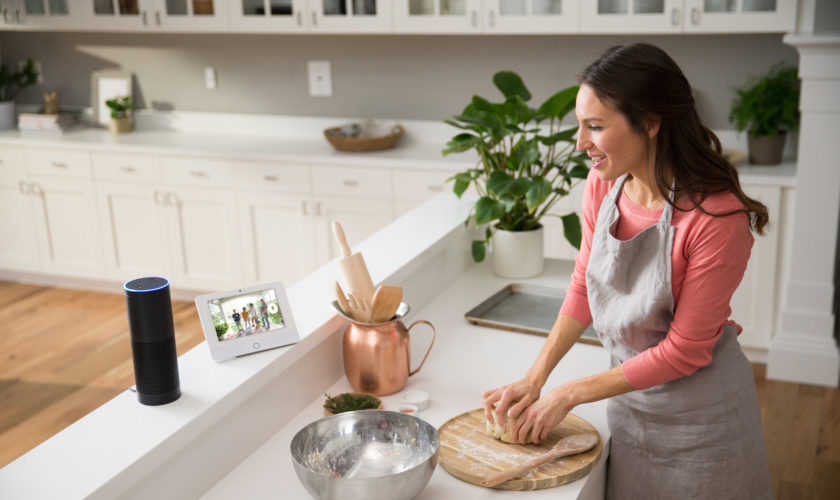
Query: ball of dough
[[503, 433]]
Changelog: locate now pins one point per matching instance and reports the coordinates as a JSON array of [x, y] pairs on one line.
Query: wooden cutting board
[[470, 454]]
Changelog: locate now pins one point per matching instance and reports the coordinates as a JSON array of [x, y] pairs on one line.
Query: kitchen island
[[229, 432]]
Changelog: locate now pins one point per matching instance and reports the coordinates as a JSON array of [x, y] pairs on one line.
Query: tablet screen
[[246, 314]]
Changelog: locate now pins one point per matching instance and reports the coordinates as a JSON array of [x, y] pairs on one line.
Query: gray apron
[[695, 437]]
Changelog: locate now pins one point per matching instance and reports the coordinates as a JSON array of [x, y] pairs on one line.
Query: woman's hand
[[522, 392], [542, 416]]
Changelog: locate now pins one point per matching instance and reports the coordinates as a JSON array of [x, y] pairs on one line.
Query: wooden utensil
[[342, 299], [470, 454], [354, 272], [360, 308], [570, 445], [386, 299]]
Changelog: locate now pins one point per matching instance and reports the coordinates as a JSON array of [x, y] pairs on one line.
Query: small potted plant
[[121, 108], [526, 163], [767, 107], [12, 82]]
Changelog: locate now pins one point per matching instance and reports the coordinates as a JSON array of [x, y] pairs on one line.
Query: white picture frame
[[239, 339], [107, 84]]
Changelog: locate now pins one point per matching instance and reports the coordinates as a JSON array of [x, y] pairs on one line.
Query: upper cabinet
[[158, 15], [316, 16], [687, 16], [40, 14], [486, 16]]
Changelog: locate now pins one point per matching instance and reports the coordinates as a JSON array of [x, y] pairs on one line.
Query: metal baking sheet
[[525, 309]]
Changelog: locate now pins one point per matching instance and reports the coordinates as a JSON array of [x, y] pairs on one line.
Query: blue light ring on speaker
[[135, 285]]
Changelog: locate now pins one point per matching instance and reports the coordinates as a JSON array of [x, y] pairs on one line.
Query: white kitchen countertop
[[465, 360], [294, 139]]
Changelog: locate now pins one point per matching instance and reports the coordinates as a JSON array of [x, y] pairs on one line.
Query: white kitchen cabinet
[[317, 16], [486, 16], [52, 15], [12, 14], [158, 15], [689, 16], [19, 245], [359, 217]]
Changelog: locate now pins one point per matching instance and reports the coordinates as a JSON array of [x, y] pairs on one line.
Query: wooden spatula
[[386, 300], [342, 300], [571, 445], [353, 269]]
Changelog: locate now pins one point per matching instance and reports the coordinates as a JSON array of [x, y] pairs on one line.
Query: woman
[[666, 239]]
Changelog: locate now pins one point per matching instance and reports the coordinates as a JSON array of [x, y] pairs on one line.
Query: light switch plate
[[210, 77], [320, 79]]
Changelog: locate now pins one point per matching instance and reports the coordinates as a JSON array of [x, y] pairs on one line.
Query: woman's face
[[614, 147]]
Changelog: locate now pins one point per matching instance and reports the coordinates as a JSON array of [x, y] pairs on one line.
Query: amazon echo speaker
[[152, 340]]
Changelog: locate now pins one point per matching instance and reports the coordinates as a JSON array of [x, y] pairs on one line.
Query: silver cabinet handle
[[299, 17], [695, 16], [491, 18], [128, 169], [159, 197], [303, 207], [198, 173], [270, 178], [157, 17], [172, 199], [314, 18], [675, 17], [474, 18], [6, 16], [145, 21], [24, 187], [435, 188], [351, 182], [36, 189], [17, 16], [318, 209], [58, 164]]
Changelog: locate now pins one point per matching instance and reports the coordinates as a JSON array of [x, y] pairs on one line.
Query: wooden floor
[[65, 352]]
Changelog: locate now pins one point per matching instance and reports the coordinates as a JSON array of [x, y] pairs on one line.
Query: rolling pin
[[354, 272], [571, 445]]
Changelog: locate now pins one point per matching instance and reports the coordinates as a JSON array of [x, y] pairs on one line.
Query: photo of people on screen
[[246, 314]]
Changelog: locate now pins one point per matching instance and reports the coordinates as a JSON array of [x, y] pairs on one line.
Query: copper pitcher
[[377, 355]]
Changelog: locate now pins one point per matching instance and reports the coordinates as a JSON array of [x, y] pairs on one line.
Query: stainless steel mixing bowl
[[367, 454]]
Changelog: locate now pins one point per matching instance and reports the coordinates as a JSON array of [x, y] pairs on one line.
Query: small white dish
[[420, 399], [409, 409]]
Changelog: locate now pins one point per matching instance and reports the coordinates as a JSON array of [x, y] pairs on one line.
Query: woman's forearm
[[596, 387], [563, 335]]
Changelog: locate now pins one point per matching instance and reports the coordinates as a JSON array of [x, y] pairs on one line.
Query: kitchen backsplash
[[381, 76]]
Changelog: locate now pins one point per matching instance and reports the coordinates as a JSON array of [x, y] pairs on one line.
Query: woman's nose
[[582, 139]]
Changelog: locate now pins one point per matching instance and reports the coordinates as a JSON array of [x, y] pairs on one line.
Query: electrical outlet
[[38, 68], [210, 77], [320, 79]]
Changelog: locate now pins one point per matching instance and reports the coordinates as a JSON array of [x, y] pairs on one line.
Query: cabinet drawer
[[197, 172], [58, 163], [12, 167], [130, 168], [421, 185], [352, 181], [273, 177]]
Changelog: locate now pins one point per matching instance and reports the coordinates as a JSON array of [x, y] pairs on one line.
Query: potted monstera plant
[[12, 82], [527, 161], [767, 107]]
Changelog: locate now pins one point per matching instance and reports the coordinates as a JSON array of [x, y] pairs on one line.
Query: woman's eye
[[594, 128]]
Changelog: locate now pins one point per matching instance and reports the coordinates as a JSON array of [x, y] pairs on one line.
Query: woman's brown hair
[[643, 83]]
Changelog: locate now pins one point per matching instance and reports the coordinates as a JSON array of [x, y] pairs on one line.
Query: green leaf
[[499, 182], [566, 135], [558, 105], [520, 187], [479, 250], [487, 210], [462, 182], [461, 142], [538, 192], [579, 172], [516, 111], [511, 84], [571, 229], [482, 105]]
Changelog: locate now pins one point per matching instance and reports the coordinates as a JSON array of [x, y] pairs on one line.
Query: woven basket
[[361, 144]]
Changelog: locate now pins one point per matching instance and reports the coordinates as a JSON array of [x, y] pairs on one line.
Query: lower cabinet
[[359, 217], [19, 244]]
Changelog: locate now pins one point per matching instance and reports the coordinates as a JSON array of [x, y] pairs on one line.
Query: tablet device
[[246, 320]]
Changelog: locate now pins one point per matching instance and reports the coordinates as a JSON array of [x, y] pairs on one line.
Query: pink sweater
[[709, 257]]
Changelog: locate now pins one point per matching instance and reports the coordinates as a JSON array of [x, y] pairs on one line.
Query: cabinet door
[[631, 16], [753, 303], [53, 14], [438, 16], [133, 222], [717, 16], [12, 14], [68, 227], [531, 16], [191, 15], [278, 240], [350, 16], [359, 217], [19, 244], [268, 16], [205, 237], [128, 15]]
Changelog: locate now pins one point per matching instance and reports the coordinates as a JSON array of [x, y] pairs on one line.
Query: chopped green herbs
[[350, 402]]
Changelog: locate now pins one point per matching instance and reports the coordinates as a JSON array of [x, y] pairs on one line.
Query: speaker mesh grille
[[156, 366]]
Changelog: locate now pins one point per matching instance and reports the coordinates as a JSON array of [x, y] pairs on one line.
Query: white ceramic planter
[[7, 115], [518, 254]]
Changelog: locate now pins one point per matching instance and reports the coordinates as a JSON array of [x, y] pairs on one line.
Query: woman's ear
[[653, 127]]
